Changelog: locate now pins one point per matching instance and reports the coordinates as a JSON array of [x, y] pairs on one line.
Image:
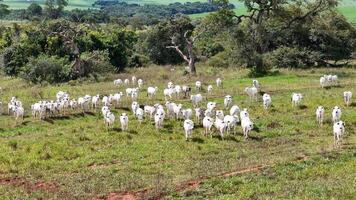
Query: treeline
[[270, 35], [112, 11]]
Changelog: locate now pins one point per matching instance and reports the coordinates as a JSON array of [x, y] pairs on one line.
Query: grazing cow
[[256, 84], [118, 82], [323, 82], [149, 110], [336, 114], [219, 114], [267, 101], [210, 89], [140, 83], [133, 79], [186, 90], [139, 115], [320, 115], [177, 110], [170, 85], [151, 92], [104, 110], [19, 112], [159, 118], [177, 90], [251, 92], [117, 98], [95, 101], [127, 82], [199, 114], [334, 79], [188, 128], [73, 104], [244, 114], [338, 131], [198, 85], [168, 92], [218, 82], [235, 111], [231, 122], [227, 101], [211, 105], [196, 99], [296, 99], [221, 126], [187, 113], [124, 120], [109, 119], [247, 126], [347, 98], [134, 107], [208, 122]]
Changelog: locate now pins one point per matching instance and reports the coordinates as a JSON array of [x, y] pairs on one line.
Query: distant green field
[[347, 7], [22, 4]]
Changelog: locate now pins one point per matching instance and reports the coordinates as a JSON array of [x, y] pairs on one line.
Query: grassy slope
[[85, 160]]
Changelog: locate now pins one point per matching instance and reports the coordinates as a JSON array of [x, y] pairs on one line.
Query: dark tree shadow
[[197, 140], [302, 107], [256, 138]]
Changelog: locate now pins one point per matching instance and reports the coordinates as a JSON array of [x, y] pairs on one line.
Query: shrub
[[291, 57], [47, 69]]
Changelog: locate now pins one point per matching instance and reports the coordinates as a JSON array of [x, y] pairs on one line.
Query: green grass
[[349, 12], [77, 153]]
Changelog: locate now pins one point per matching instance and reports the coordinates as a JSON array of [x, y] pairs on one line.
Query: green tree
[[54, 8], [34, 10], [4, 10]]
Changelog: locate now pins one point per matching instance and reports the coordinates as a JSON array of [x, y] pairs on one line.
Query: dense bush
[[51, 69], [291, 57]]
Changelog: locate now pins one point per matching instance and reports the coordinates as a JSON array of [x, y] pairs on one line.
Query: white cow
[[267, 101], [218, 82], [338, 131], [348, 98], [296, 99], [151, 91], [188, 128], [247, 126], [251, 92], [208, 122], [124, 120], [320, 115], [198, 85], [227, 101], [210, 89], [336, 114], [196, 99]]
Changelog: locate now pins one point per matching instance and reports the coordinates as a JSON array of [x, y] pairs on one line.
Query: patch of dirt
[[28, 185]]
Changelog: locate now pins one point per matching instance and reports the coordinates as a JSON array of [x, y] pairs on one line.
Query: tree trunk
[[192, 69]]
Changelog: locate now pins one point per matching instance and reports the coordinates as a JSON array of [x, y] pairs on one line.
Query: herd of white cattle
[[209, 117]]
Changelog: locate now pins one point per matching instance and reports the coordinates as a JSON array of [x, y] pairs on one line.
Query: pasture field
[[288, 156]]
